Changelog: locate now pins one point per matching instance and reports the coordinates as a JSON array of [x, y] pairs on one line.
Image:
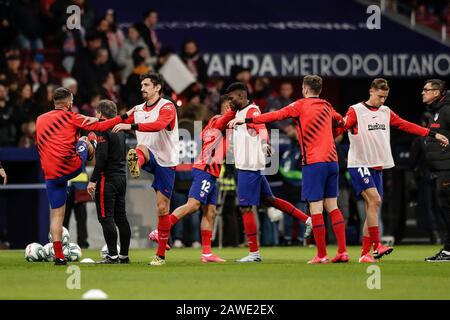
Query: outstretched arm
[[166, 116]]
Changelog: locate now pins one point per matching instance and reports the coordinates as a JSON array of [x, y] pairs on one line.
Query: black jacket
[[110, 155], [438, 157]]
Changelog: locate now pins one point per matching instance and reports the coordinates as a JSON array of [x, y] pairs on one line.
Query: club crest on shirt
[[202, 194], [366, 180]]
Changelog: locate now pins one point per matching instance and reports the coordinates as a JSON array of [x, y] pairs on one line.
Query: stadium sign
[[331, 65]]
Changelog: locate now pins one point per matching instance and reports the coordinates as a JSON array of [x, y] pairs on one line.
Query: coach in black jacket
[[438, 157], [108, 182]]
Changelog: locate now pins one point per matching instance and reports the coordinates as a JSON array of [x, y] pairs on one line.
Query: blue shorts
[[320, 181], [164, 177], [365, 178], [203, 187], [251, 186], [57, 188]]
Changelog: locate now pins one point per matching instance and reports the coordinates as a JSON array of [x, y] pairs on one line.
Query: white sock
[[446, 252], [207, 254], [113, 257], [256, 253], [122, 257]]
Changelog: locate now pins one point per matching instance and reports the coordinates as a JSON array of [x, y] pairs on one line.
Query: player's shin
[[337, 220], [164, 233]]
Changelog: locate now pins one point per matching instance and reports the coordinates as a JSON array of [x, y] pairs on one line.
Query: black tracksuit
[[438, 159], [110, 176]]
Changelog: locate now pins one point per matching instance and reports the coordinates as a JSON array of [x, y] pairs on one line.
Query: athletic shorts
[[320, 181], [364, 178], [204, 187], [251, 186], [164, 177], [57, 188]]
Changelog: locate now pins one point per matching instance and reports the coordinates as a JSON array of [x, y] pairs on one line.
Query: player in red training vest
[[314, 118], [368, 124], [206, 170], [250, 146], [157, 151], [63, 155]]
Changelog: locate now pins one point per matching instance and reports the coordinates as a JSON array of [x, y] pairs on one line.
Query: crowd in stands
[[431, 13], [97, 61]]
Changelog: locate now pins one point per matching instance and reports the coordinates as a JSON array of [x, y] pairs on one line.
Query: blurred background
[[98, 49]]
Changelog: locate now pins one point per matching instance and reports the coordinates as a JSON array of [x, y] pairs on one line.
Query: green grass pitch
[[283, 275]]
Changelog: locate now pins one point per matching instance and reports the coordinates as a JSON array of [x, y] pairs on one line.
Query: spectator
[[84, 66], [285, 98], [125, 56], [194, 109], [8, 129], [14, 74], [240, 74], [147, 30], [25, 104], [28, 138], [109, 88], [89, 108], [132, 90], [194, 61], [36, 73], [7, 31], [261, 93], [44, 97], [115, 36], [28, 22], [277, 102]]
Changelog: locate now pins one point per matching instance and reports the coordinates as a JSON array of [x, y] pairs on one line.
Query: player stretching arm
[[314, 118], [157, 152], [250, 144], [205, 172], [368, 124], [63, 155]]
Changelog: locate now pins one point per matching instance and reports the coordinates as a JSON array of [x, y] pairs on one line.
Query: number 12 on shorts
[[206, 185], [364, 172]]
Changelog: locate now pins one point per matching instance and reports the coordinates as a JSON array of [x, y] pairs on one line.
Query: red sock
[[57, 248], [250, 230], [163, 234], [173, 219], [319, 234], [206, 241], [289, 209], [141, 157], [374, 233], [366, 244], [337, 220]]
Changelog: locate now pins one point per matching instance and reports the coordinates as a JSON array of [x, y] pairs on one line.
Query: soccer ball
[[49, 253], [72, 252], [34, 252], [104, 251], [65, 237]]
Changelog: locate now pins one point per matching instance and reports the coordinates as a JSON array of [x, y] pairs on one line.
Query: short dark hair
[[61, 94], [154, 77], [314, 83], [438, 85], [380, 84], [236, 86], [107, 108], [148, 12]]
